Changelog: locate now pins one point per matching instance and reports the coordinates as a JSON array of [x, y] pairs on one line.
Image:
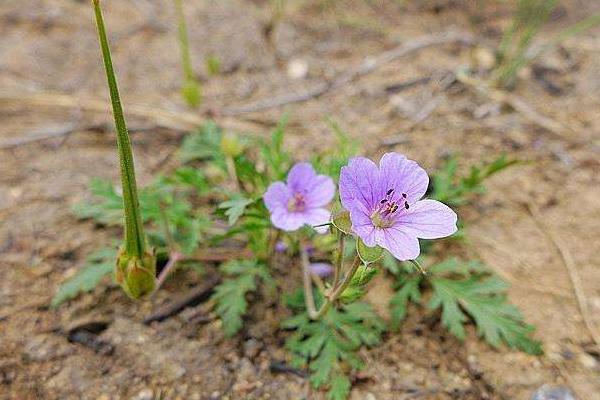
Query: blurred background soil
[[50, 47]]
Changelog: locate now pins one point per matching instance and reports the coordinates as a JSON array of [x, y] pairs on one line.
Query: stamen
[[406, 205], [383, 201], [404, 195], [390, 191]]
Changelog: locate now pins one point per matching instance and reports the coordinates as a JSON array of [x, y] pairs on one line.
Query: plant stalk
[[135, 241]]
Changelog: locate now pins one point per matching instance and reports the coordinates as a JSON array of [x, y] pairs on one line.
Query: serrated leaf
[[97, 266], [339, 388], [368, 254], [328, 343], [235, 208], [482, 298], [407, 290], [230, 296]]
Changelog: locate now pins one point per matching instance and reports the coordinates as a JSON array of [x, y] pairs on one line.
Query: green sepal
[[341, 219], [368, 254], [137, 276], [363, 275]]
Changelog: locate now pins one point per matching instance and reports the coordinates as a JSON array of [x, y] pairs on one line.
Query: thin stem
[[186, 60], [174, 258], [418, 266], [339, 260], [309, 299], [346, 282], [135, 241], [167, 229]]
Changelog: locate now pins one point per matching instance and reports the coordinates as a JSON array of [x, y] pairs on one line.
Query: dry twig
[[569, 263], [517, 104], [368, 65]]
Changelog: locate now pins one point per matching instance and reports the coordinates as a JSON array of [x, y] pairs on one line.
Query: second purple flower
[[301, 200]]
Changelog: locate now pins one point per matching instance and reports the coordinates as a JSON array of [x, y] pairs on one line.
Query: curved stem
[[347, 279], [339, 260], [418, 266], [309, 299], [135, 241]]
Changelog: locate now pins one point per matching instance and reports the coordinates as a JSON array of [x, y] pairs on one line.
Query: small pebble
[[553, 393]]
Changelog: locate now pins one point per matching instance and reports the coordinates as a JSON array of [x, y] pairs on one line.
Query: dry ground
[[50, 47]]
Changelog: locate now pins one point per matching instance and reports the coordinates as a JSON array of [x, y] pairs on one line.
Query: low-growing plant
[[251, 197]]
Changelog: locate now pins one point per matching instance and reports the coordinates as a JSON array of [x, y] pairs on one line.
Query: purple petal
[[363, 226], [287, 221], [280, 246], [317, 216], [427, 219], [320, 191], [359, 184], [402, 245], [322, 270], [277, 196], [300, 177], [404, 176]]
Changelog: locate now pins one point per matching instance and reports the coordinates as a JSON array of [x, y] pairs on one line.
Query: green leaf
[[341, 219], [450, 188], [97, 266], [235, 208], [230, 296], [363, 275], [481, 297], [407, 289], [367, 254], [204, 145], [340, 388], [329, 344]]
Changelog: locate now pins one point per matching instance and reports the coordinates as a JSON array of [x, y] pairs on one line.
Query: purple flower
[[322, 270], [301, 200], [385, 206], [281, 246]]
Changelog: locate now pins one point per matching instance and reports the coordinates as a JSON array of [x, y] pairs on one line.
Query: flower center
[[297, 203], [388, 208]]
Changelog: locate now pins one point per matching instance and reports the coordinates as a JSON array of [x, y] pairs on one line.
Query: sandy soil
[[50, 47]]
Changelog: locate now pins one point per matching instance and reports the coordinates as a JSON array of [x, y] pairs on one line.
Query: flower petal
[[402, 245], [300, 177], [404, 176], [363, 226], [317, 216], [320, 191], [287, 221], [277, 196], [359, 183], [427, 219]]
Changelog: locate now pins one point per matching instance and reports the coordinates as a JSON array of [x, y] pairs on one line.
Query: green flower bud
[[137, 276], [231, 145], [191, 92]]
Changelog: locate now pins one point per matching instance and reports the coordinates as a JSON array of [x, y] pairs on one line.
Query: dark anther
[[383, 201], [406, 205], [404, 195], [389, 192], [394, 208]]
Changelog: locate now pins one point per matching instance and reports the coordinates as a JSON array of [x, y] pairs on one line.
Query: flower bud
[[231, 145], [137, 276]]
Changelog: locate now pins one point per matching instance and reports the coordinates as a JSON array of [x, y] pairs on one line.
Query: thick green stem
[[135, 242]]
